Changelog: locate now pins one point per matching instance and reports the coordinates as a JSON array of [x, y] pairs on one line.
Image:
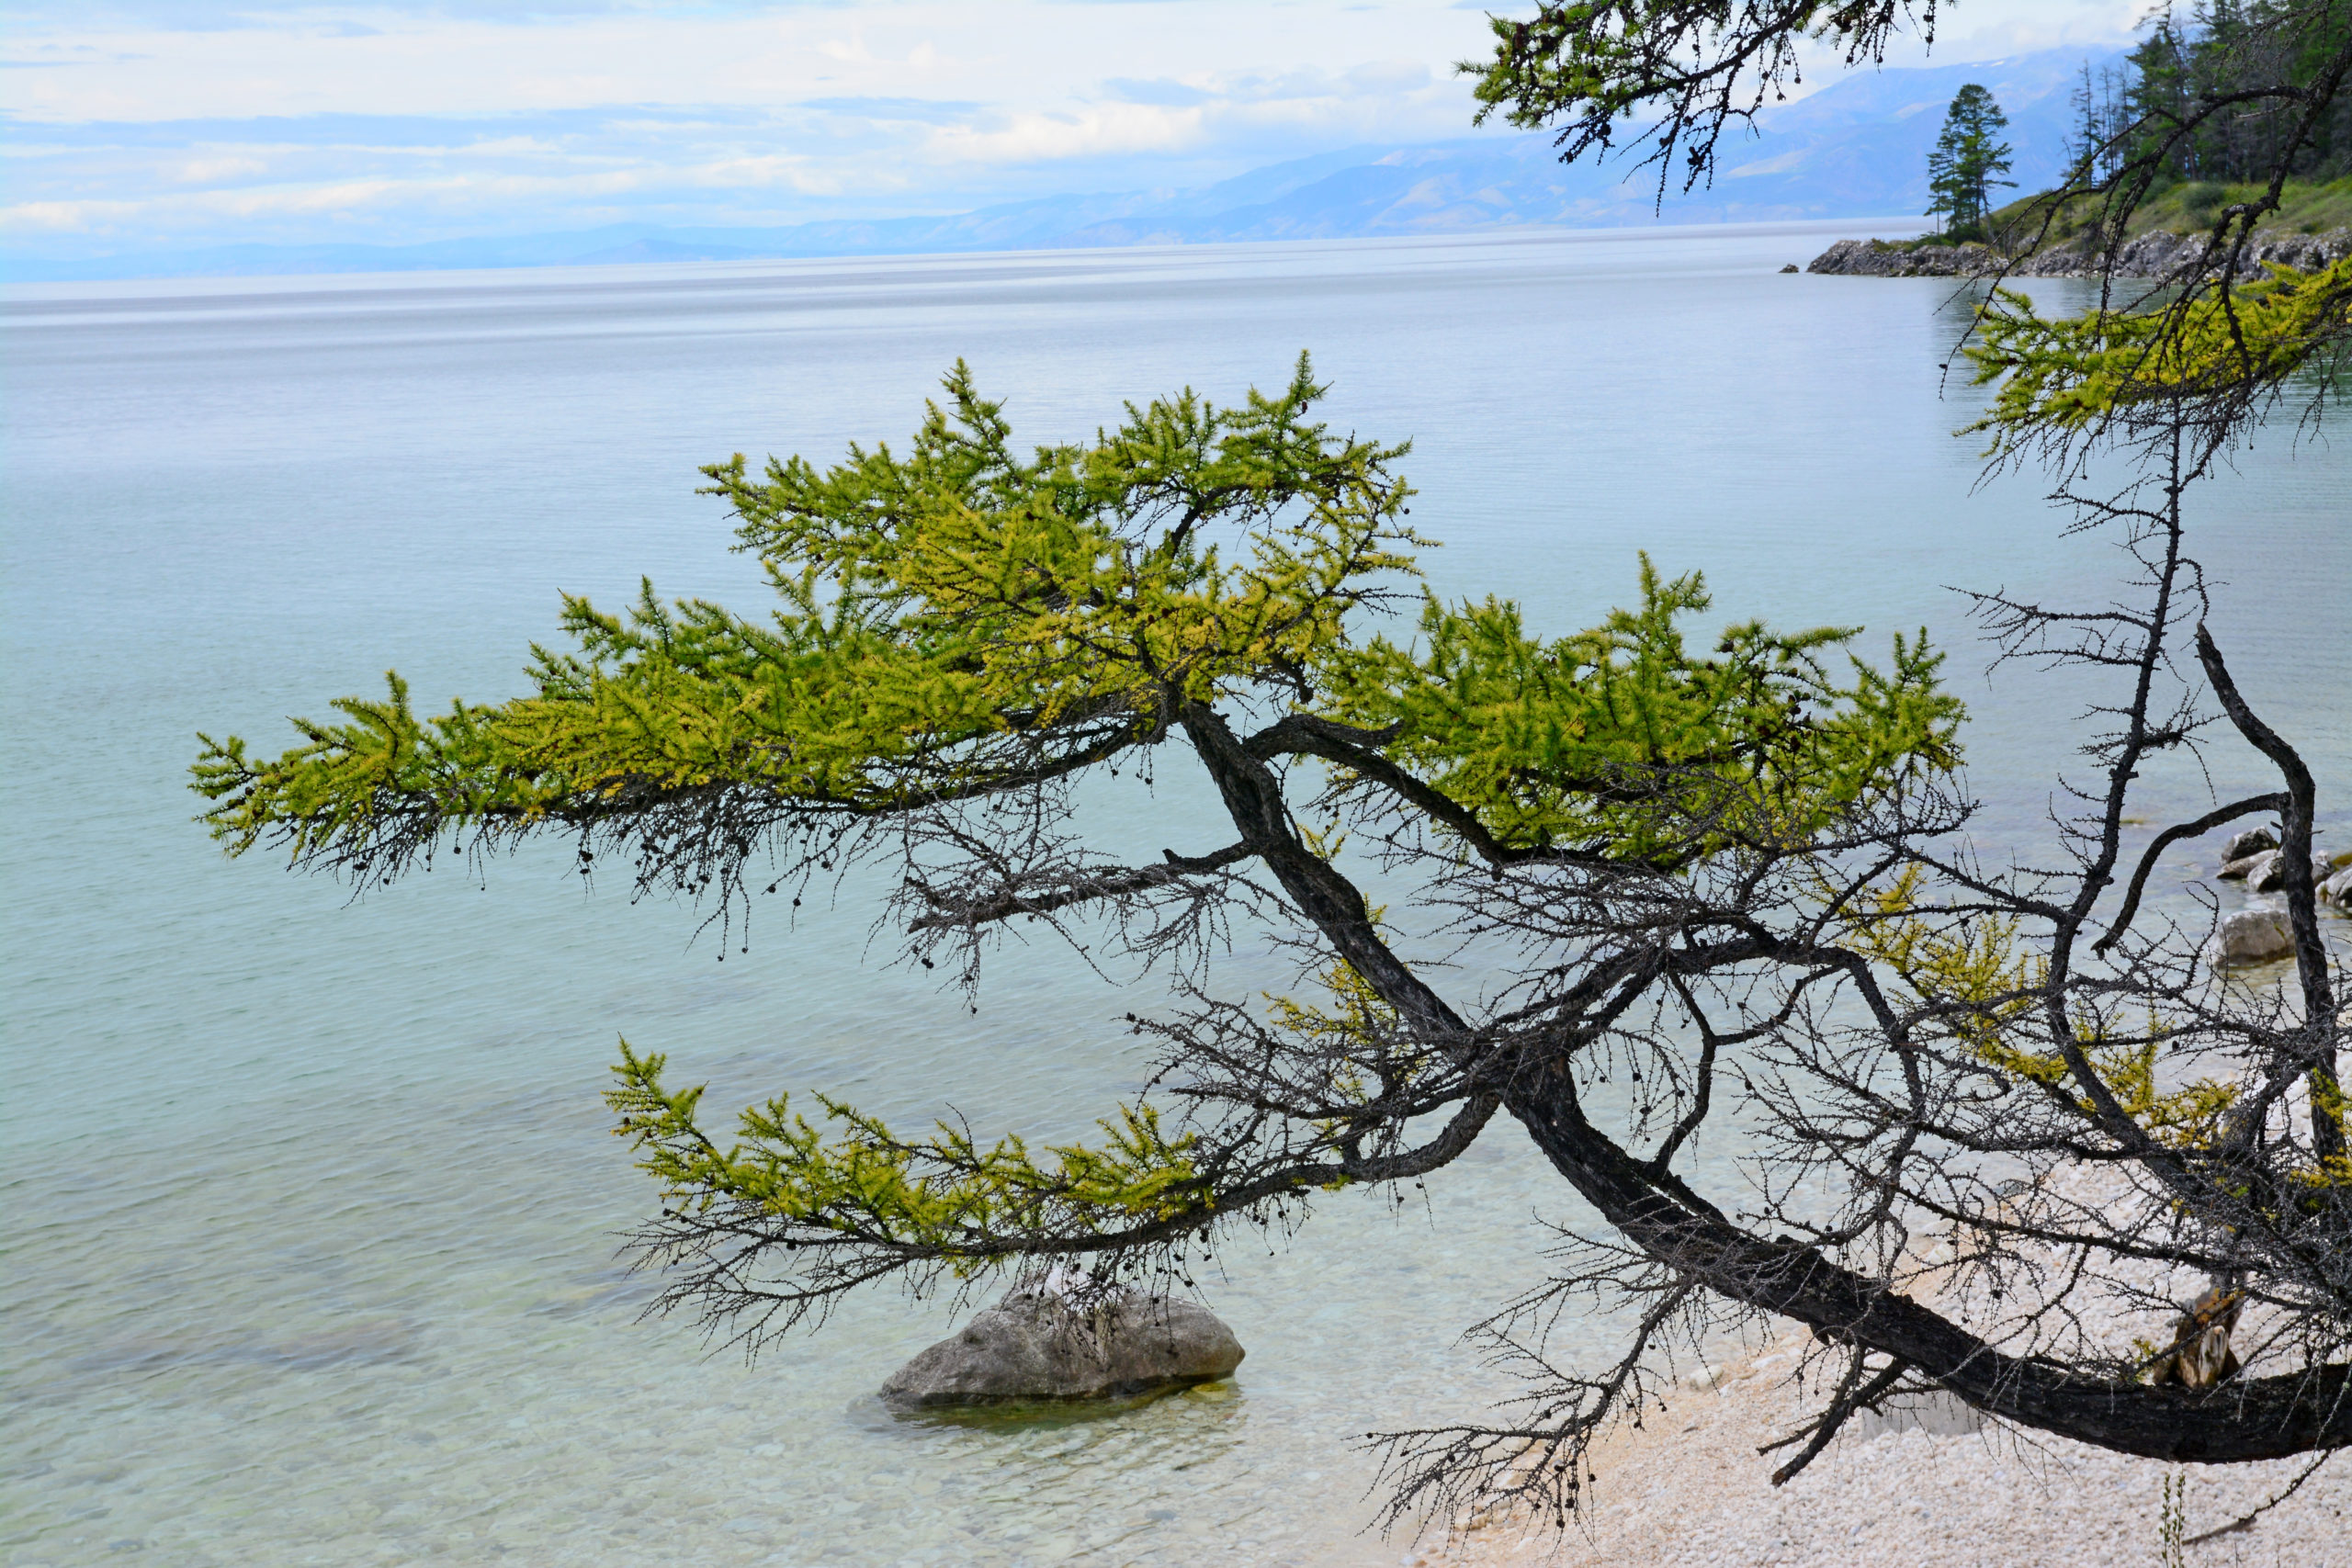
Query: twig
[[2247, 1522]]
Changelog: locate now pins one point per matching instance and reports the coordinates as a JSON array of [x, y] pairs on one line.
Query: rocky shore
[[2258, 934], [2154, 255]]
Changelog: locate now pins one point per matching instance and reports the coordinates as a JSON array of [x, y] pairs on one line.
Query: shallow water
[[309, 1210]]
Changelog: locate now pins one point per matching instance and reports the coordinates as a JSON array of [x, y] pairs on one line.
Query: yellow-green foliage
[[963, 620], [1985, 989], [935, 604], [1353, 1023], [930, 604], [2328, 1102], [1591, 739], [943, 1196], [1357, 1038], [1974, 972], [2078, 374]]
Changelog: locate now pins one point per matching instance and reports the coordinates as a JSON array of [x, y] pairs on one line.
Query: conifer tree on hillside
[[1968, 156], [2098, 102], [2229, 94]]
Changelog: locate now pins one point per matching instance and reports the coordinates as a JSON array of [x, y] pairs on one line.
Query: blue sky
[[134, 123]]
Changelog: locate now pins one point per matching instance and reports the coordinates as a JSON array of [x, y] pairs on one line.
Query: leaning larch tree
[[2000, 1108]]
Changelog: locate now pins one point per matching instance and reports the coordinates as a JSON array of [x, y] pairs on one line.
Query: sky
[[137, 123]]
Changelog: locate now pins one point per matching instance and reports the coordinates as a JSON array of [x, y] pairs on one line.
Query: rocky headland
[[2157, 253]]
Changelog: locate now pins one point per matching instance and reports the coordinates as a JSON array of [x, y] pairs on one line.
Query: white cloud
[[1989, 29], [1024, 54], [425, 120], [1033, 135], [358, 198]]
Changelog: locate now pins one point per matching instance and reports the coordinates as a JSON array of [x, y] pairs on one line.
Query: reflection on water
[[310, 1213], [1017, 1416]]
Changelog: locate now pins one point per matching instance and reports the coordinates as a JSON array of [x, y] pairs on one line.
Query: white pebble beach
[[1690, 1489]]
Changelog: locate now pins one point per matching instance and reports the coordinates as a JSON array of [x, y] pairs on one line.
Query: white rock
[[2252, 936]]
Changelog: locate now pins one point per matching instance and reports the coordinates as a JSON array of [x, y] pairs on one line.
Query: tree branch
[[2170, 837]]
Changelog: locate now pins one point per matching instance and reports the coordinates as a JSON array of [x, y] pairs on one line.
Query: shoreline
[[2159, 254], [1934, 1484]]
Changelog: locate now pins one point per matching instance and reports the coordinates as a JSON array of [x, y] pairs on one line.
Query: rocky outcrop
[[2247, 845], [1040, 1343], [2266, 870], [2157, 253], [1876, 258]]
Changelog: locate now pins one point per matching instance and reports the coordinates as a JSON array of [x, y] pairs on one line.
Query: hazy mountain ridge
[[1856, 149]]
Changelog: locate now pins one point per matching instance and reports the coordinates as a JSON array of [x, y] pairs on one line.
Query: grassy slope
[[2185, 210], [2311, 209]]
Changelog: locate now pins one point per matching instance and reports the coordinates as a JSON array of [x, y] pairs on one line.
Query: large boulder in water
[[1041, 1344]]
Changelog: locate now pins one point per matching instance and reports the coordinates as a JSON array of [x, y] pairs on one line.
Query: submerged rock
[[2252, 936], [1038, 1344]]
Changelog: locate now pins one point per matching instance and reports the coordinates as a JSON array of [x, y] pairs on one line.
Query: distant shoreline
[[16, 288], [2156, 253]]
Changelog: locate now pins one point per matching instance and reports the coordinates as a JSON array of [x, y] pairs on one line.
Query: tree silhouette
[[1969, 154]]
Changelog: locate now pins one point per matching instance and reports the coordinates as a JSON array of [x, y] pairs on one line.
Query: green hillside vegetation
[[2216, 99], [2307, 207]]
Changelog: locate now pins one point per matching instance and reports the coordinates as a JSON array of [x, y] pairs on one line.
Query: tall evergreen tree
[[1969, 157], [2094, 150], [2158, 101]]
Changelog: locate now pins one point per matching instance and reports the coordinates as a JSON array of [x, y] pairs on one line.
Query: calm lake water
[[310, 1212]]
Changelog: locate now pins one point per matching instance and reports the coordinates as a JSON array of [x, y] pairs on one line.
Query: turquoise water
[[310, 1213]]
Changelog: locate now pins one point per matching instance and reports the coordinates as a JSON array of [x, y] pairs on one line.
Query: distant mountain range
[[1856, 149]]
